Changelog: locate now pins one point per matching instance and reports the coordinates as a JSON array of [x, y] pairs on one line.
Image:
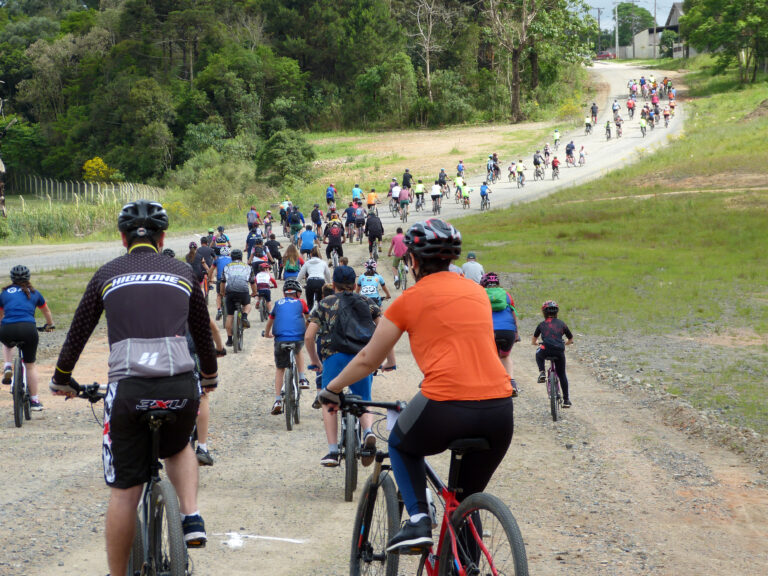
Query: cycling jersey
[[418, 189], [17, 307], [264, 281], [357, 193], [220, 264], [149, 300], [373, 227], [238, 277], [221, 241], [288, 316], [371, 199], [398, 246], [308, 240], [436, 191], [349, 214], [465, 191], [407, 179], [505, 319], [369, 285], [359, 215], [335, 235], [274, 248], [551, 331]]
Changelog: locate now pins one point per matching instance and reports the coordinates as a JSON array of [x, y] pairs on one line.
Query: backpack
[[292, 267], [294, 218], [498, 298], [354, 326], [329, 193], [359, 214]]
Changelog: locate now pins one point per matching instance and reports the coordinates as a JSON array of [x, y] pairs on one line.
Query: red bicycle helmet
[[489, 279], [550, 307], [433, 238]]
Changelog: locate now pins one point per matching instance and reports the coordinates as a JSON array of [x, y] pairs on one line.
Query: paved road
[[602, 157]]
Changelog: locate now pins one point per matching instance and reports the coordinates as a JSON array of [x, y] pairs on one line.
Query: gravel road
[[618, 488]]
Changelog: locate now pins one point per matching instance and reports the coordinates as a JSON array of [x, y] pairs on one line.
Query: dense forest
[[151, 85]]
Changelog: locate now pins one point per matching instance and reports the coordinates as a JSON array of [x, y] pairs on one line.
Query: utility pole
[[599, 30], [616, 17], [654, 29]]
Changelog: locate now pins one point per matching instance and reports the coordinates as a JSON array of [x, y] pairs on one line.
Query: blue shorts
[[332, 367]]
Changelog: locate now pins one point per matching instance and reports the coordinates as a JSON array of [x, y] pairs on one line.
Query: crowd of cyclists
[[333, 313]]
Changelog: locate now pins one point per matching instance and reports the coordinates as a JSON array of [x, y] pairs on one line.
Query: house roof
[[674, 14]]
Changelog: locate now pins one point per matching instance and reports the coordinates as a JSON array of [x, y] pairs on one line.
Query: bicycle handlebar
[[91, 392], [358, 406]]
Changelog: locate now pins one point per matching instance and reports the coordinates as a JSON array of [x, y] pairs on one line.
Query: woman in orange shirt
[[465, 393]]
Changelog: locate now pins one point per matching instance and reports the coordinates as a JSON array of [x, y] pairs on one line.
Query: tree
[[632, 19], [431, 17], [286, 155], [667, 42], [96, 170]]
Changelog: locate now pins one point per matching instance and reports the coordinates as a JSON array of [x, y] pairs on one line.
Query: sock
[[8, 366], [203, 446], [333, 448], [34, 398], [195, 513], [301, 376], [366, 432], [245, 316], [416, 517]]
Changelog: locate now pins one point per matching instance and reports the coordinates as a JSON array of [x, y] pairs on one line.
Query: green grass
[[62, 290], [691, 265]]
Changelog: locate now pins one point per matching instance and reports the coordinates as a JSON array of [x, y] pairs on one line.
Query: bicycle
[[457, 196], [477, 536], [436, 205], [587, 129], [485, 203], [582, 160], [420, 202], [556, 173], [375, 250], [464, 202], [349, 451], [291, 389], [619, 131], [335, 256], [394, 205], [22, 407], [538, 173], [643, 130], [263, 311], [237, 328], [520, 179], [404, 213], [402, 273], [553, 389], [158, 543]]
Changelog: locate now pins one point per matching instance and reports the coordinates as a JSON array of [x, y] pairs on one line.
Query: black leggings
[[24, 332], [314, 290], [559, 367], [427, 427]]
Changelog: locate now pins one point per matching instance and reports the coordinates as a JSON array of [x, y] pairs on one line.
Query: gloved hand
[[327, 397], [62, 384]]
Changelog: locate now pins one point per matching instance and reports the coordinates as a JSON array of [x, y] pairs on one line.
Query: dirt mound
[[759, 112]]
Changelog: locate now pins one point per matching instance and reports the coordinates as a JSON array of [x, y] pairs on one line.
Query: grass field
[[631, 257], [63, 290]]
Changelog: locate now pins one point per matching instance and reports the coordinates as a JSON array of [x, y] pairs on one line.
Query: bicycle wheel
[[554, 389], [351, 442], [297, 399], [166, 538], [136, 559], [376, 521], [335, 260], [18, 393], [263, 310], [375, 250], [403, 273], [289, 398], [488, 539], [236, 320], [240, 329]]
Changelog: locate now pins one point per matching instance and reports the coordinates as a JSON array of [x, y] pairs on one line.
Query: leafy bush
[[286, 154]]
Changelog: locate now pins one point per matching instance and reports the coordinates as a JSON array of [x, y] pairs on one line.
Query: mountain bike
[[582, 159], [458, 194], [291, 389], [555, 172], [404, 213], [553, 389], [402, 273], [263, 310], [19, 390], [335, 256], [478, 536], [607, 132], [419, 202], [520, 179], [464, 202], [237, 328], [485, 203], [158, 542], [375, 250], [436, 205], [587, 129], [619, 131], [393, 206], [643, 130], [349, 451], [666, 121], [538, 173]]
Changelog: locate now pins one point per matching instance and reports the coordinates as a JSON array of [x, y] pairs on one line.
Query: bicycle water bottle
[[432, 508]]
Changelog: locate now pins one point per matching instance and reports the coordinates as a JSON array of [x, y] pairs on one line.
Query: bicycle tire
[[236, 331], [376, 521], [403, 274], [240, 328], [335, 258], [497, 526], [297, 399], [18, 393], [263, 310], [350, 457], [224, 312], [167, 547], [375, 250], [136, 558], [288, 398], [552, 387]]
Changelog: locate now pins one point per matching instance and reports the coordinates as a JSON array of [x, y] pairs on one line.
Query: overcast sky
[[606, 18]]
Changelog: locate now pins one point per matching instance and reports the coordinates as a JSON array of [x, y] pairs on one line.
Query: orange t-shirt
[[448, 319]]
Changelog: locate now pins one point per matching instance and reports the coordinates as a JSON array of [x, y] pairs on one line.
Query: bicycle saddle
[[553, 358], [465, 445], [164, 416], [288, 345]]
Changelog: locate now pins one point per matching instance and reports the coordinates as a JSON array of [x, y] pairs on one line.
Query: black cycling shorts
[[283, 355], [329, 249], [266, 294], [505, 339], [24, 332], [127, 440], [233, 298]]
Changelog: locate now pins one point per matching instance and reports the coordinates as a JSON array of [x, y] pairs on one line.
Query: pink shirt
[[405, 194], [398, 246]]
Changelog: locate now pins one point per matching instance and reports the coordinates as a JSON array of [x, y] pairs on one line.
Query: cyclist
[[317, 218], [360, 215], [368, 283], [608, 129], [460, 169], [315, 274], [666, 115], [144, 318], [292, 262], [538, 160], [552, 331], [334, 238], [190, 256], [374, 230], [397, 245], [485, 191], [449, 405], [458, 183], [643, 125], [273, 247], [490, 167], [357, 194], [371, 200], [615, 107], [264, 284], [330, 195], [238, 280], [220, 240], [547, 153], [333, 321], [504, 323], [407, 179], [442, 178], [18, 302], [582, 156], [295, 221], [404, 199], [221, 261], [593, 110], [465, 192], [556, 138], [252, 217], [555, 166], [202, 265], [259, 255], [210, 237], [418, 192], [588, 125], [520, 169], [287, 323], [472, 269], [349, 220], [307, 239], [631, 108], [268, 220], [436, 192]]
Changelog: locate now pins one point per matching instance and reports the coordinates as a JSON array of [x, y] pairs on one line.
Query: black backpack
[[294, 218], [354, 326]]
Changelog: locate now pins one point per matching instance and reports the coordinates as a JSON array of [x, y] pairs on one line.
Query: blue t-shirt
[[221, 262], [504, 319], [357, 193], [308, 239], [288, 316], [17, 307], [369, 285], [330, 193], [483, 190], [349, 214]]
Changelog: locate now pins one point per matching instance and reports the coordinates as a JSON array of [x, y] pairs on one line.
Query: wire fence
[[76, 191]]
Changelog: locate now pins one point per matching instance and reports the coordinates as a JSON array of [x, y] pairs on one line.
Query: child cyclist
[[505, 331], [264, 284], [287, 323], [368, 283], [552, 331]]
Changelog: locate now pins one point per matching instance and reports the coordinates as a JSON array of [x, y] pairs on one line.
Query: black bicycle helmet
[[550, 308], [142, 219], [237, 254], [291, 285], [170, 253], [19, 273], [434, 238]]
